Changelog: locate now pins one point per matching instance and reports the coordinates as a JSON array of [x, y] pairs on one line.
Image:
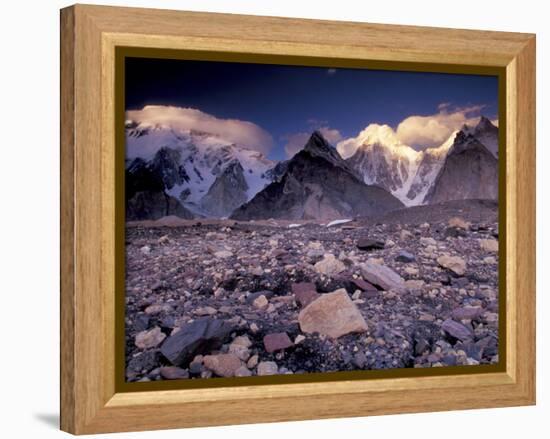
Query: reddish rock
[[224, 365], [304, 292], [173, 373], [332, 314], [298, 287], [457, 330], [467, 313], [363, 285], [277, 341]]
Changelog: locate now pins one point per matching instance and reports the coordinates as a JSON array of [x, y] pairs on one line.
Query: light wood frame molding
[[89, 36]]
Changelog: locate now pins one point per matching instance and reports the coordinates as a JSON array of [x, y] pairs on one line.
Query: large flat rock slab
[[332, 314]]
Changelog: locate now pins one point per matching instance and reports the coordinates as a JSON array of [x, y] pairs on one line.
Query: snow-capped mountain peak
[[192, 158], [376, 134], [382, 159]]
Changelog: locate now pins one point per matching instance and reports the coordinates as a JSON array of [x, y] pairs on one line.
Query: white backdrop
[[29, 236]]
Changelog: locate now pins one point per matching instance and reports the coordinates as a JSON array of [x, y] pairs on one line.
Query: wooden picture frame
[[91, 402]]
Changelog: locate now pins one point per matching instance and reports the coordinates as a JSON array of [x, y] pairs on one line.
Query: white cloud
[[372, 134], [432, 130], [331, 72], [331, 134], [417, 132], [244, 133], [295, 142]]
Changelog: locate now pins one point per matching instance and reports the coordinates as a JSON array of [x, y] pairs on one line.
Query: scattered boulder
[[141, 322], [142, 362], [201, 336], [404, 256], [157, 309], [267, 368], [454, 263], [414, 284], [243, 372], [223, 365], [329, 265], [363, 285], [253, 296], [382, 276], [333, 314], [173, 373], [459, 223], [242, 340], [222, 254], [489, 245], [367, 244], [467, 313], [360, 359], [457, 330], [260, 302], [205, 311], [277, 341], [149, 339], [427, 241], [405, 234], [304, 292], [252, 361], [240, 346]]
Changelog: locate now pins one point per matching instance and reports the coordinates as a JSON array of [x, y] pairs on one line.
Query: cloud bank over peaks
[[415, 133], [371, 135], [244, 133], [427, 131]]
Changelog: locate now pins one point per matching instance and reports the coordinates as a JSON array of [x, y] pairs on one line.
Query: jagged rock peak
[[484, 124], [318, 146]]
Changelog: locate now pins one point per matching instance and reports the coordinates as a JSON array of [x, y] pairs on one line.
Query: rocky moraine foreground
[[415, 288]]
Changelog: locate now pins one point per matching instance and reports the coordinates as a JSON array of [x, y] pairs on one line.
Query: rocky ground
[[225, 298]]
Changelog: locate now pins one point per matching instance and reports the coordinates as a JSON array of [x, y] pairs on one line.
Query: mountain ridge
[[317, 184]]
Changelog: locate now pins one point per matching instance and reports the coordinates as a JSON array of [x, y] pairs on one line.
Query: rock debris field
[[220, 298]]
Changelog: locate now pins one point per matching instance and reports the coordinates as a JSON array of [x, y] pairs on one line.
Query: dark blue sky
[[285, 99]]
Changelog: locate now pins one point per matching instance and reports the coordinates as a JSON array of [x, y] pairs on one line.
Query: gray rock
[[329, 265], [173, 373], [467, 313], [454, 263], [267, 368], [382, 276], [457, 330], [201, 336], [421, 346], [277, 341], [360, 359], [404, 256], [149, 339], [367, 244], [145, 361]]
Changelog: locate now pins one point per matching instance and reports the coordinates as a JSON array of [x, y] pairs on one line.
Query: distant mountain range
[[317, 184], [410, 174], [188, 173]]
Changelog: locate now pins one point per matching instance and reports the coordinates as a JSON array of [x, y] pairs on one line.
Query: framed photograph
[[268, 219]]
